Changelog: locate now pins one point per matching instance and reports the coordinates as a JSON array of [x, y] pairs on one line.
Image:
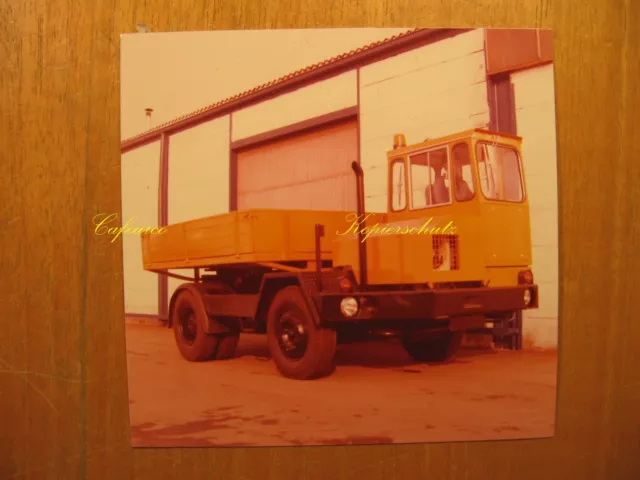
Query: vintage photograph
[[339, 236]]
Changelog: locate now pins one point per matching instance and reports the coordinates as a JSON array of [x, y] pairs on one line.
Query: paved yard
[[376, 395]]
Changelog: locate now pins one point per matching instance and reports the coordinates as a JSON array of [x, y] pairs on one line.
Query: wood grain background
[[63, 390]]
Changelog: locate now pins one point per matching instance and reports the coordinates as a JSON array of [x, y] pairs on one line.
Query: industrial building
[[290, 143]]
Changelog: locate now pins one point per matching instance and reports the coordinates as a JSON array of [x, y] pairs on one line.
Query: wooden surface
[[63, 390]]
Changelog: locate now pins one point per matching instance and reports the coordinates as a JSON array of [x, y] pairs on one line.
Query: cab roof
[[473, 132]]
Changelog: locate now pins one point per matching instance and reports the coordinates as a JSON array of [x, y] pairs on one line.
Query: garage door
[[306, 171], [535, 117]]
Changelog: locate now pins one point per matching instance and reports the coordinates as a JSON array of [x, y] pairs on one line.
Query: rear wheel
[[189, 318], [439, 348], [299, 348]]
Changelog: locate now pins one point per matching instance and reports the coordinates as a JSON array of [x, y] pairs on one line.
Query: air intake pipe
[[362, 246]]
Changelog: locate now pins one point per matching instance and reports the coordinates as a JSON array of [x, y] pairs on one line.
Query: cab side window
[[463, 178], [398, 187], [430, 178]]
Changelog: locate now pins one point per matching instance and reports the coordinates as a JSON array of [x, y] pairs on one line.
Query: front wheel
[[436, 349], [299, 348]]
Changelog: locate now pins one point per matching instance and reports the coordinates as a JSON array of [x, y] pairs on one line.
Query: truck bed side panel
[[242, 237]]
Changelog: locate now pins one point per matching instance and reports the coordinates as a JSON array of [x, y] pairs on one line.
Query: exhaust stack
[[362, 247]]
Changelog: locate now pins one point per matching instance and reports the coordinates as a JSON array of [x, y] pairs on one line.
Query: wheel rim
[[292, 336], [188, 325]]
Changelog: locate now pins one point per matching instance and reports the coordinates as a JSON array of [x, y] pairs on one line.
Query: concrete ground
[[376, 395]]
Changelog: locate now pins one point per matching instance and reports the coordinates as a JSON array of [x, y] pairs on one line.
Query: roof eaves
[[184, 120]]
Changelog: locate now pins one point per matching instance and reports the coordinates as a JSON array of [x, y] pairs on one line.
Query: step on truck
[[451, 254]]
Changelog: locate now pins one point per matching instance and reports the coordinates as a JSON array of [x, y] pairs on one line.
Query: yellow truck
[[451, 254]]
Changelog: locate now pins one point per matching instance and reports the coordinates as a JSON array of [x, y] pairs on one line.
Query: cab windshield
[[499, 172]]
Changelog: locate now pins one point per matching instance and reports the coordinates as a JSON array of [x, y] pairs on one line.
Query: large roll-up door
[[305, 171]]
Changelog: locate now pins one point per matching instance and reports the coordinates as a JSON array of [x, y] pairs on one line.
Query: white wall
[[139, 180], [535, 117], [198, 176], [308, 102], [431, 91]]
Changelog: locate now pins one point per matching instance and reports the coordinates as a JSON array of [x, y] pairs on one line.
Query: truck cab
[[457, 214], [456, 232], [476, 179]]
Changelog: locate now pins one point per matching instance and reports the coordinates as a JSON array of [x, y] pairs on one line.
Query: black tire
[[299, 348], [440, 348], [188, 319]]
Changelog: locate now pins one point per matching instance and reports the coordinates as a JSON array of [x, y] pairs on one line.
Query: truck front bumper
[[427, 304]]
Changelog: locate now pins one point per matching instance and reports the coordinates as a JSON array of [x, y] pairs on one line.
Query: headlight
[[527, 297], [349, 306]]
